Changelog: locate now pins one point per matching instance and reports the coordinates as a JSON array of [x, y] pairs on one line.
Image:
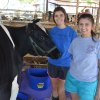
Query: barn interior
[[43, 9]]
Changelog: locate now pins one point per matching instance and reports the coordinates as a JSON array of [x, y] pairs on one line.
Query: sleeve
[[73, 35]]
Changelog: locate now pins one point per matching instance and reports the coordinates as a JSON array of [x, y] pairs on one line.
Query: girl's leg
[[61, 90], [74, 96], [52, 71], [58, 75], [71, 86], [54, 87]]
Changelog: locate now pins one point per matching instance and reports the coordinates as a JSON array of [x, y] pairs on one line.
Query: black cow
[[27, 39], [32, 39]]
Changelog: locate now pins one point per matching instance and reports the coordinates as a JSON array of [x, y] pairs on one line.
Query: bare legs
[[58, 88], [59, 91], [74, 96]]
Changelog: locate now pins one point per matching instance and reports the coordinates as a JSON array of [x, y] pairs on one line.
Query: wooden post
[[77, 9], [46, 6], [98, 17]]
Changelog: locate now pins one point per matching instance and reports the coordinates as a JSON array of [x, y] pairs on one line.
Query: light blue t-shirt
[[62, 39], [85, 54]]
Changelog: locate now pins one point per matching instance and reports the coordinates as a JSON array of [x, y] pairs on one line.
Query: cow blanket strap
[[8, 34]]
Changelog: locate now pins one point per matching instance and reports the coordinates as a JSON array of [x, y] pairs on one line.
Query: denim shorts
[[85, 90]]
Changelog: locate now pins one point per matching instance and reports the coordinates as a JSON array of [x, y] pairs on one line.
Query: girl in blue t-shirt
[[62, 36], [83, 79]]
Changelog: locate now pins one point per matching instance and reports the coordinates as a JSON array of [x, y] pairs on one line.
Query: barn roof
[[82, 3]]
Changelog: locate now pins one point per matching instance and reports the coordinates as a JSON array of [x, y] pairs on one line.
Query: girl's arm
[[97, 97]]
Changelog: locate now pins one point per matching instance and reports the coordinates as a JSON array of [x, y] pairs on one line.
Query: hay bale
[[35, 61]]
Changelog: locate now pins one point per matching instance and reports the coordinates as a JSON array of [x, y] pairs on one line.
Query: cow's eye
[[31, 31], [42, 38]]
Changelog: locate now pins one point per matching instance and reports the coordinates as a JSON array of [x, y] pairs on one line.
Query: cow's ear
[[36, 20]]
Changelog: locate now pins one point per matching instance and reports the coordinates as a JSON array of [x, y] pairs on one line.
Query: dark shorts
[[57, 71]]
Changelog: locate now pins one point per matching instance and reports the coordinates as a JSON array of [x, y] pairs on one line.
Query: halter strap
[[8, 34], [36, 47]]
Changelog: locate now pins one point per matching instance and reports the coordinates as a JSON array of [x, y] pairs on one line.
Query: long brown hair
[[62, 10], [90, 17]]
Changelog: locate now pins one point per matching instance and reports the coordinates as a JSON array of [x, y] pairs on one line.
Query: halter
[[37, 48]]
